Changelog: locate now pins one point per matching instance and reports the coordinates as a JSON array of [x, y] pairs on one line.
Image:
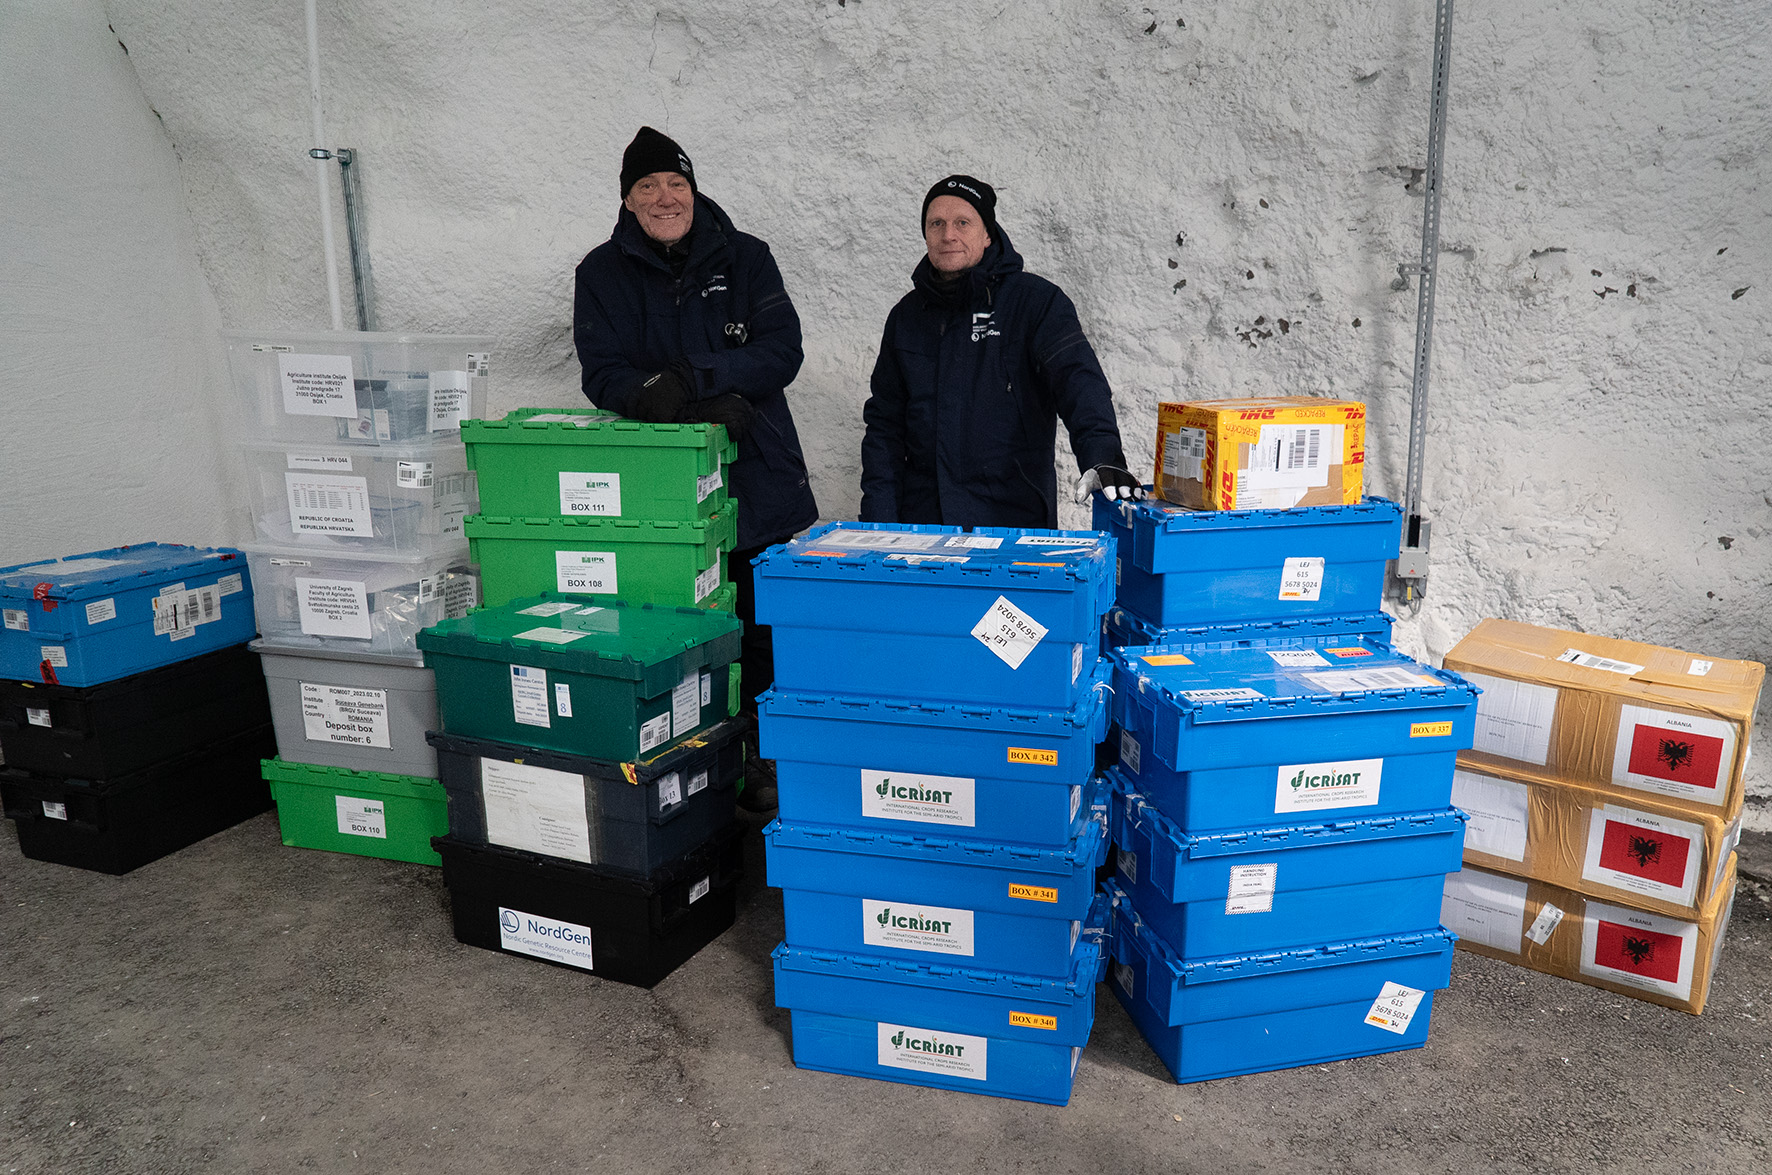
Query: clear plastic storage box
[[354, 602], [364, 388], [387, 499]]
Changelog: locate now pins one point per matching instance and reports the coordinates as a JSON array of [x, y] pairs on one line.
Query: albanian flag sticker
[[1686, 756], [1638, 949], [1644, 853]]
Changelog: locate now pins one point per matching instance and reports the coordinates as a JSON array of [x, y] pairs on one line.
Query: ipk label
[[1315, 787]]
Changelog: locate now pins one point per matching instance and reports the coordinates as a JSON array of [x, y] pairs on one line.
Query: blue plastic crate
[[1232, 738], [1283, 885], [911, 1055], [963, 903], [892, 611], [1250, 1013], [990, 773], [1124, 628], [1188, 567], [952, 999], [92, 618]]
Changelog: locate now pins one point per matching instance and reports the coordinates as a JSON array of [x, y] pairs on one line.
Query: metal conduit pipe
[[320, 160]]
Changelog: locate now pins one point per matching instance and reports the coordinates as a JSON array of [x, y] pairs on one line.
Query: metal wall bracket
[[355, 228]]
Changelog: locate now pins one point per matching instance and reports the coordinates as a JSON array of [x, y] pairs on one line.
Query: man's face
[[956, 236], [664, 204]]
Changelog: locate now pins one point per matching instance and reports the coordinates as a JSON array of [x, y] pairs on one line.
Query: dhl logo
[[1258, 414]]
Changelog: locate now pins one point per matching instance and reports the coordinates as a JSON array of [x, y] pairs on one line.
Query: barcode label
[[1303, 450], [882, 540], [1184, 453], [1589, 661], [1355, 680], [479, 363]]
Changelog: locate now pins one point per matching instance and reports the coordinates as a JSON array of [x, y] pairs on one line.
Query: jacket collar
[[709, 237], [978, 285]]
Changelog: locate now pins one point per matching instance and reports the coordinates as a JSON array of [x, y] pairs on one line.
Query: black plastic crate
[[109, 730], [114, 825], [629, 818], [572, 915]]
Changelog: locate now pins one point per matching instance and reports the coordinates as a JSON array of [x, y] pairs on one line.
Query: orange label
[[1430, 730], [1166, 659], [1033, 755], [1030, 1020], [1349, 652], [826, 554], [1019, 563], [1033, 893]]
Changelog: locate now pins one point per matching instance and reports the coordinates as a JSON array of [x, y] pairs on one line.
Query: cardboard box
[[1262, 454], [1666, 961], [1646, 852], [1623, 718]]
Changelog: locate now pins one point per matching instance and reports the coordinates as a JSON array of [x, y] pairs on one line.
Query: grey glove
[[1116, 484]]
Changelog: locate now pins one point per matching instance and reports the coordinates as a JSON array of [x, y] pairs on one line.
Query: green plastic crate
[[365, 813], [609, 681], [586, 463], [676, 564]]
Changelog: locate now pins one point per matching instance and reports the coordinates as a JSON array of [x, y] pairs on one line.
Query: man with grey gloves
[[681, 317], [977, 365]]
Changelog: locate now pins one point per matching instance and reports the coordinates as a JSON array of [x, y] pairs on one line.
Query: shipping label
[[1594, 661], [1394, 1008], [697, 782], [550, 608], [54, 810], [1008, 632], [450, 402], [708, 582], [882, 540], [551, 636], [1497, 809], [911, 927], [545, 938], [655, 731], [1644, 853], [333, 607], [1686, 756], [589, 572], [1549, 918], [317, 385], [707, 484], [590, 495], [536, 809], [344, 714], [361, 817], [1385, 677], [55, 655], [974, 542], [529, 696], [1302, 579], [325, 503], [1514, 718], [100, 611], [1252, 888], [1485, 908], [686, 704], [1317, 787], [1297, 658], [17, 619], [1129, 751], [926, 799], [950, 1054], [415, 475], [38, 716], [227, 585], [700, 889]]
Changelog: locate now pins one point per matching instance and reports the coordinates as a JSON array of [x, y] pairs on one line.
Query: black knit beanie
[[975, 192], [649, 152]]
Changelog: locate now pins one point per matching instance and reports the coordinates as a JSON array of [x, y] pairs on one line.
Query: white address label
[[360, 817], [1394, 1007], [590, 572], [590, 495], [1008, 632], [344, 714]]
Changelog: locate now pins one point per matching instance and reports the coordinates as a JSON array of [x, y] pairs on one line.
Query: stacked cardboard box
[[934, 721], [132, 713], [1605, 786]]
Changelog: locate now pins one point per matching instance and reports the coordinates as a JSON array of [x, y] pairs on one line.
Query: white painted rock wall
[[1221, 188]]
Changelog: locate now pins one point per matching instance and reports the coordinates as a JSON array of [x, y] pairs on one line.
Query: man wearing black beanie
[[977, 365], [681, 317]]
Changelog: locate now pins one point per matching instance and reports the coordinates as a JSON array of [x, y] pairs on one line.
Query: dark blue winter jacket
[[729, 319], [972, 379]]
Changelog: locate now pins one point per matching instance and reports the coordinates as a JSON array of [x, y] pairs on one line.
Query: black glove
[[1115, 484], [731, 410], [660, 397]]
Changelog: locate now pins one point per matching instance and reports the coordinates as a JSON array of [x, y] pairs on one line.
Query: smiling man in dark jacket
[[978, 364], [681, 317]]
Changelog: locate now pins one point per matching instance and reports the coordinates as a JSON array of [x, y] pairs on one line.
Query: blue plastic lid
[[117, 569], [1153, 512], [881, 551], [1085, 715], [1255, 633], [1223, 684]]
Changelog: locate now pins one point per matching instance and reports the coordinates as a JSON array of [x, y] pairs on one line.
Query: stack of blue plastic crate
[[1282, 803], [937, 705]]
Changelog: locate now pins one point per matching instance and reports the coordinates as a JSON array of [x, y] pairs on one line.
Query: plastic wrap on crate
[[987, 772], [1255, 1012], [117, 824], [951, 999], [363, 387], [92, 618], [642, 561], [967, 903], [353, 602], [1282, 885], [606, 681], [996, 616], [360, 711], [588, 463], [378, 499], [1233, 738], [623, 817], [1123, 628], [363, 813], [630, 930], [98, 731], [1191, 567]]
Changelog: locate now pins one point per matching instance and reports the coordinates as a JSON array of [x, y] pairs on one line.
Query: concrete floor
[[242, 1007]]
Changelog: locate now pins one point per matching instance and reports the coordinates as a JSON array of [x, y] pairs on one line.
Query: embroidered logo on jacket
[[983, 326]]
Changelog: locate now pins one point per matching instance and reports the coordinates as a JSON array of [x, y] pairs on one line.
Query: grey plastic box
[[337, 709]]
